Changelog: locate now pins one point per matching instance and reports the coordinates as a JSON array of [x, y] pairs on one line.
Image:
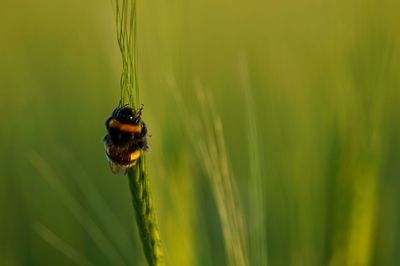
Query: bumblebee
[[126, 138]]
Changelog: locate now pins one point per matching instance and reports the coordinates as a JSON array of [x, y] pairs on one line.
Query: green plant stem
[[145, 213], [138, 180]]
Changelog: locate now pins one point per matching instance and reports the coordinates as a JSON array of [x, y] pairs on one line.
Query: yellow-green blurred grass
[[178, 217]]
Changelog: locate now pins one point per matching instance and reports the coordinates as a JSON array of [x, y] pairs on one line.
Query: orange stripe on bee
[[135, 155], [125, 127]]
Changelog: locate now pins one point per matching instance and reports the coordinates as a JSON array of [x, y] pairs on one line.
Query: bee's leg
[[140, 109], [142, 144], [143, 132], [116, 168]]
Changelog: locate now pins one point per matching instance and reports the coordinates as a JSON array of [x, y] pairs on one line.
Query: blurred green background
[[326, 87]]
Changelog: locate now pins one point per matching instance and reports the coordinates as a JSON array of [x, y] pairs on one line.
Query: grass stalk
[[216, 163], [145, 213], [59, 244], [138, 179], [257, 208], [78, 211], [209, 144]]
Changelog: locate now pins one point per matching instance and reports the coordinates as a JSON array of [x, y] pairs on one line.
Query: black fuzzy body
[[120, 144]]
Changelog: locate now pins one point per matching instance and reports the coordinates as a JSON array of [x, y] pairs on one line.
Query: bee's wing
[[117, 168]]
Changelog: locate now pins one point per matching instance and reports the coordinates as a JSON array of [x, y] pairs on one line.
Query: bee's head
[[126, 114]]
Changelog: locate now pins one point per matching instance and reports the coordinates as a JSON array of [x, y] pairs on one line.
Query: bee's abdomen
[[123, 155]]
